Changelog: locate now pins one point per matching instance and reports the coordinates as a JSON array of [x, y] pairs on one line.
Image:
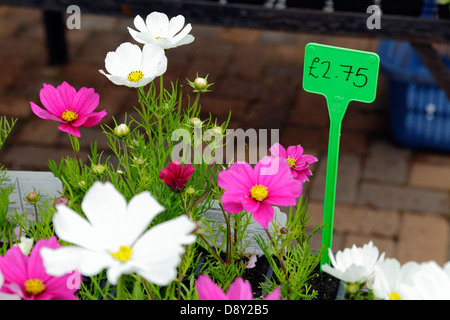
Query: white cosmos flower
[[130, 66], [355, 264], [429, 282], [390, 276], [114, 237], [158, 29]]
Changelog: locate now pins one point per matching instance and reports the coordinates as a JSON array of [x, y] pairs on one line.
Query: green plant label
[[340, 74]]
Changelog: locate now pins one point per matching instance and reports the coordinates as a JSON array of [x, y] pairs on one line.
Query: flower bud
[[217, 130], [98, 169], [60, 200], [352, 288], [190, 191], [33, 197], [139, 161], [200, 83], [284, 230], [195, 122], [122, 130]]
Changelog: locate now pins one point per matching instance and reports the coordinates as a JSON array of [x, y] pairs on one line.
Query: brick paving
[[397, 197]]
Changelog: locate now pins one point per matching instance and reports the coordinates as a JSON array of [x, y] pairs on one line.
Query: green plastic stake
[[341, 75]]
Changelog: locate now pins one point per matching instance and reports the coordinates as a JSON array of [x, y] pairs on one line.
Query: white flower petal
[[183, 33], [142, 208], [158, 24], [157, 253], [175, 25], [429, 282], [162, 31], [130, 54], [139, 23], [71, 227], [58, 262], [115, 65], [127, 58], [136, 35], [186, 40], [355, 264], [154, 61], [105, 208]]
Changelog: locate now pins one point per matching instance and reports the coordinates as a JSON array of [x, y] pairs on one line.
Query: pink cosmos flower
[[238, 290], [256, 189], [70, 107], [25, 276], [176, 175], [298, 162]]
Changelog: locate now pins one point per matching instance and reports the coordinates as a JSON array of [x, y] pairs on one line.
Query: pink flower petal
[[208, 290], [240, 290], [277, 150], [175, 176], [85, 101], [232, 202], [36, 268], [43, 114], [264, 214], [272, 172], [52, 101], [67, 93], [274, 295], [13, 266], [80, 121], [66, 127], [239, 176], [250, 204], [90, 120], [295, 152]]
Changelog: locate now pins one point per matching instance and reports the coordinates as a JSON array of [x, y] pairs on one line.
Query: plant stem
[[180, 98], [227, 220], [195, 107], [36, 213], [120, 295], [148, 289], [76, 148], [161, 90], [279, 254]]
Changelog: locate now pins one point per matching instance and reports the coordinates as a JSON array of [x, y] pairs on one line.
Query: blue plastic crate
[[419, 109]]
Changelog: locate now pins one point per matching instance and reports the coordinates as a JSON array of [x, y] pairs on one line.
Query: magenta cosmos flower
[[72, 108], [238, 290], [176, 175], [25, 276], [297, 161], [256, 189]]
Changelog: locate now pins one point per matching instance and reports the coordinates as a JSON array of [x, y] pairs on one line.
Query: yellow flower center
[[69, 115], [394, 296], [135, 76], [291, 162], [123, 254], [259, 192], [34, 286]]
